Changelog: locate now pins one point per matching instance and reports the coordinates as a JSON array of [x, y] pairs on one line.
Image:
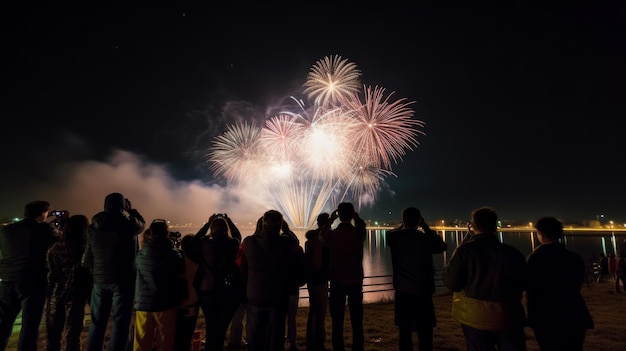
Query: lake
[[377, 258]]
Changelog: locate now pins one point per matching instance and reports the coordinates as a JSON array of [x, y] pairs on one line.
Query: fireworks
[[338, 149], [331, 79]]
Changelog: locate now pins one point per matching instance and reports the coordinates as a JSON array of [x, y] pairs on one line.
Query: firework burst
[[235, 151], [340, 148], [383, 129], [331, 80]]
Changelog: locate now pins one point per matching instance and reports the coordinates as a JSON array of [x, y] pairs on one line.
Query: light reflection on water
[[377, 258]]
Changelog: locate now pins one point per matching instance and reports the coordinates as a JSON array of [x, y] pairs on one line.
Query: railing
[[380, 284]]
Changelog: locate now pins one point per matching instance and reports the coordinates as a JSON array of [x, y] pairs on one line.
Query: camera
[[60, 216], [175, 238]]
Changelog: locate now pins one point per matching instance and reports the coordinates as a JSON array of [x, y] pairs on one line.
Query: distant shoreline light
[[246, 228]]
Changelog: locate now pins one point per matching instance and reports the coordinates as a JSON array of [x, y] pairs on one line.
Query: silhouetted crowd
[[53, 270]]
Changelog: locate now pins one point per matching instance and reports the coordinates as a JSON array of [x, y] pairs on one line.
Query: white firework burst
[[332, 79]]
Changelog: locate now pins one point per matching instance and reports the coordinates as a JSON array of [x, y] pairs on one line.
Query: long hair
[[220, 228], [75, 228]]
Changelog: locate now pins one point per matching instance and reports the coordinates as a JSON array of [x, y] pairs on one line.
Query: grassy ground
[[607, 308]]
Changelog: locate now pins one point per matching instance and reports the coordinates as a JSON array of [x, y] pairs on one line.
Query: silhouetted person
[[604, 266], [317, 257], [620, 273], [110, 251], [412, 247], [220, 286], [556, 310], [346, 275], [488, 279], [236, 338], [69, 286], [612, 262], [189, 308], [23, 247], [621, 252], [294, 291], [269, 265], [157, 293]]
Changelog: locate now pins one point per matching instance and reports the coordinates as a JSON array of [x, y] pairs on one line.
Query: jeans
[[292, 311], [237, 324], [29, 298], [316, 320], [337, 303], [104, 298], [484, 340], [267, 327], [218, 309]]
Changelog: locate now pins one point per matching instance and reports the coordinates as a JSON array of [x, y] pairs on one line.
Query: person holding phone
[[23, 246], [412, 248], [110, 251], [346, 275]]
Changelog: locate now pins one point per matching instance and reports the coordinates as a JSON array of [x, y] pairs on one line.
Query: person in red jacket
[[346, 275]]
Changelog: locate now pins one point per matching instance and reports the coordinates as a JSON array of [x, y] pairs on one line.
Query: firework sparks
[[338, 149], [382, 128], [331, 80], [235, 151]]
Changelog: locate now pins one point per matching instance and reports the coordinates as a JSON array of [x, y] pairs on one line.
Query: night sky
[[523, 106]]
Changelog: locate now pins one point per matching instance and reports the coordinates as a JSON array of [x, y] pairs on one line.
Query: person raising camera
[[23, 246], [220, 287], [110, 251]]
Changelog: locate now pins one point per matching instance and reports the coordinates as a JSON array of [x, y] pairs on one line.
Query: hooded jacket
[[111, 243], [271, 265], [488, 278], [157, 284]]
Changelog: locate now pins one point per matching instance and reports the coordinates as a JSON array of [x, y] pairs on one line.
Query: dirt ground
[[607, 307]]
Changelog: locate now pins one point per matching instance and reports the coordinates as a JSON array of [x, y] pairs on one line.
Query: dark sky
[[523, 106]]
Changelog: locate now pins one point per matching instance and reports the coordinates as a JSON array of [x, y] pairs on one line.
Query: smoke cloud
[[81, 187]]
